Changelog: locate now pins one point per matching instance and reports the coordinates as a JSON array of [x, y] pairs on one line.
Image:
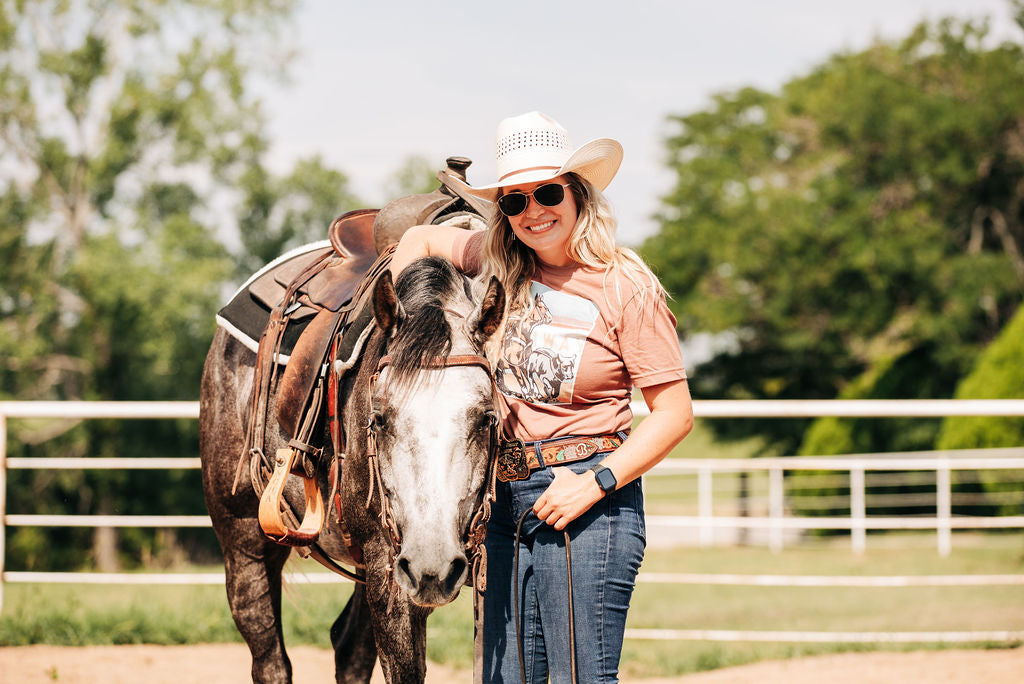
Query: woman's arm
[[671, 419], [421, 241]]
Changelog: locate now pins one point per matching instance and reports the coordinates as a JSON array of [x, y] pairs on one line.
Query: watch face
[[605, 479]]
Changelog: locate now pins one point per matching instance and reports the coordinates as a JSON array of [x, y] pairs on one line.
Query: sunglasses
[[548, 195]]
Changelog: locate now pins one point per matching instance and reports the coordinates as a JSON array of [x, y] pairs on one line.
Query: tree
[[279, 214], [997, 374], [132, 138], [858, 233], [416, 176]]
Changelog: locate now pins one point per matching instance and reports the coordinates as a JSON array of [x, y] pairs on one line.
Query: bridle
[[477, 529]]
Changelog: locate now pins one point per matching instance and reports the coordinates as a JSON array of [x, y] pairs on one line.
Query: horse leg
[[253, 580], [355, 650], [400, 631]]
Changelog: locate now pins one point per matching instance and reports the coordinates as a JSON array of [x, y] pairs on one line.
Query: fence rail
[[776, 522]]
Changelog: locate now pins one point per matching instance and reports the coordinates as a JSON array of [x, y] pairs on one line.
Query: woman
[[585, 322]]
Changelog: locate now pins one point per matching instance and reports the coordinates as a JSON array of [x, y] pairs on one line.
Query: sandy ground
[[229, 663]]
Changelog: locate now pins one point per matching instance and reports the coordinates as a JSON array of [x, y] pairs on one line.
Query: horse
[[419, 422]]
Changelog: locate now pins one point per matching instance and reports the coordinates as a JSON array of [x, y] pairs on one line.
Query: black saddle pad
[[246, 315]]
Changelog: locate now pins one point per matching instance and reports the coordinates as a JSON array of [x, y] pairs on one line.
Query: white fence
[[776, 523]]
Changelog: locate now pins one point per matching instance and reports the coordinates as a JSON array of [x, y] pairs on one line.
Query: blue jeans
[[607, 546]]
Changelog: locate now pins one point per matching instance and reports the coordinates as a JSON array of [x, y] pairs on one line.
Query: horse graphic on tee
[[541, 349]]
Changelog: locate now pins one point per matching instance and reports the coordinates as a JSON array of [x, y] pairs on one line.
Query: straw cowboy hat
[[534, 147]]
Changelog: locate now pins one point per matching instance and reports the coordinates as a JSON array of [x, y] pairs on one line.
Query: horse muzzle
[[431, 584]]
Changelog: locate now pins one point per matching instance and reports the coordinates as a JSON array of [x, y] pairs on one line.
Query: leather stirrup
[[270, 505]]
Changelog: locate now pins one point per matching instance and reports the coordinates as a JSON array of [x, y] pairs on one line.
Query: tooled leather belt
[[548, 452]]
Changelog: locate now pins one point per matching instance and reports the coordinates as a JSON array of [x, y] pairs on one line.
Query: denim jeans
[[607, 545]]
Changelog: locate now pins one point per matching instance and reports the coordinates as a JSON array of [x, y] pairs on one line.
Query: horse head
[[432, 419]]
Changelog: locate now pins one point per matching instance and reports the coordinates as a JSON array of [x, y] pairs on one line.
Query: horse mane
[[424, 289]]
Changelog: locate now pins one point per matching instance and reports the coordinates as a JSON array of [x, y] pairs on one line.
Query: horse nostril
[[455, 572], [406, 569]]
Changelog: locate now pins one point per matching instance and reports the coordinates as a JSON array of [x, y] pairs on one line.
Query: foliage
[[859, 232], [279, 214], [133, 142], [416, 176], [997, 374]]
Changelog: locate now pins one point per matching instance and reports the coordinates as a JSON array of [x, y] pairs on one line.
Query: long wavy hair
[[591, 243]]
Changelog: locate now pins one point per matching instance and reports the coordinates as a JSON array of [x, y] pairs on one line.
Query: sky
[[375, 83]]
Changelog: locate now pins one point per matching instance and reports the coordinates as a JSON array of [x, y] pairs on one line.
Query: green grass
[[87, 614]]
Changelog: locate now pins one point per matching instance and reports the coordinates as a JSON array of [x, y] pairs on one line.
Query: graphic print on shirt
[[541, 351]]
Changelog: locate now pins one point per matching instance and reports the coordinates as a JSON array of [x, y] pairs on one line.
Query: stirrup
[[270, 505]]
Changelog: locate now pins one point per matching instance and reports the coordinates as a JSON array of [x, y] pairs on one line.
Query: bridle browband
[[477, 529]]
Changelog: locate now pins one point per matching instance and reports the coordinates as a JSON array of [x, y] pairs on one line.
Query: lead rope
[[572, 621]]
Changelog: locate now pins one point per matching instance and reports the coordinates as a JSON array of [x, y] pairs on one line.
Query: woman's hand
[[568, 497]]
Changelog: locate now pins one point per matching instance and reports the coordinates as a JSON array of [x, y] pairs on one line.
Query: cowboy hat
[[534, 147]]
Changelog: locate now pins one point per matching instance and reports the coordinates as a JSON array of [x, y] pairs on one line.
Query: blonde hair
[[591, 243]]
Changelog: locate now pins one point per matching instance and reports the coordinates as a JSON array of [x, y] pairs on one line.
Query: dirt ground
[[229, 663]]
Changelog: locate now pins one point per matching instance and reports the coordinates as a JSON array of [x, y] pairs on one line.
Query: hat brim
[[598, 161]]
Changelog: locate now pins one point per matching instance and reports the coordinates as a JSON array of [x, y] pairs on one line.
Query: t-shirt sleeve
[[648, 341], [468, 252]]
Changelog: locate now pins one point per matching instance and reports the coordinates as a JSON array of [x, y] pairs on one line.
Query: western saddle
[[328, 290]]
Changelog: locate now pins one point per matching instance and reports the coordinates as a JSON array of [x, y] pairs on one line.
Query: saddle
[[324, 294]]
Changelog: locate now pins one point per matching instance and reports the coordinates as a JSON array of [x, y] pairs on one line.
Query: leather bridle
[[477, 529]]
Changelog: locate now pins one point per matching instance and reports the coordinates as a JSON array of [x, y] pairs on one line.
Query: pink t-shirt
[[568, 367]]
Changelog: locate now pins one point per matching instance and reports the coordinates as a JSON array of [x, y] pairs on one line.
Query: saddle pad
[[245, 315]]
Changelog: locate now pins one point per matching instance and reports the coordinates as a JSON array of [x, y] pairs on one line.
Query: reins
[[572, 620]]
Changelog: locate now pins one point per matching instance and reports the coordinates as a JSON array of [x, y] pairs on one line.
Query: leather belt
[[563, 450]]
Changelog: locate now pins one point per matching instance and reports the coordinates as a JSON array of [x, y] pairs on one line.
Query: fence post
[[943, 509], [3, 503], [775, 508], [705, 507], [858, 510]]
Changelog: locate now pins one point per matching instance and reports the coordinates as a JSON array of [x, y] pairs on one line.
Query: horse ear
[[488, 315], [387, 310]]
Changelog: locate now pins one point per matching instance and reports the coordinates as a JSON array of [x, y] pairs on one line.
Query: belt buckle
[[512, 464]]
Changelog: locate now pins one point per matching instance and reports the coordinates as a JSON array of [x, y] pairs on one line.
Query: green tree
[[131, 136], [279, 214], [859, 233], [997, 374], [416, 176]]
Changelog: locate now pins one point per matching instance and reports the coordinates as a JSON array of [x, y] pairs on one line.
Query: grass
[[88, 614]]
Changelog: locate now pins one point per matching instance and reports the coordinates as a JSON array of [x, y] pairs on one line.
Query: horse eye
[[487, 420], [379, 420]]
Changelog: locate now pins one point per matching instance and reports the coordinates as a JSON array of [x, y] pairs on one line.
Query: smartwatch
[[605, 478]]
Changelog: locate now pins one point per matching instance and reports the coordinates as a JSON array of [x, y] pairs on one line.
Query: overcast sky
[[378, 82]]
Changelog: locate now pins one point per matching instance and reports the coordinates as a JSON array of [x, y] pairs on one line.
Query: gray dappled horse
[[432, 425]]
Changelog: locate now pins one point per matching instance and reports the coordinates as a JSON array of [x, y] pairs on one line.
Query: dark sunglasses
[[547, 195]]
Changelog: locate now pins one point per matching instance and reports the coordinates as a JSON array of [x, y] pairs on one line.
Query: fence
[[776, 522]]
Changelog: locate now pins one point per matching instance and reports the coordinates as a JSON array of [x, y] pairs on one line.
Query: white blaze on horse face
[[436, 461]]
